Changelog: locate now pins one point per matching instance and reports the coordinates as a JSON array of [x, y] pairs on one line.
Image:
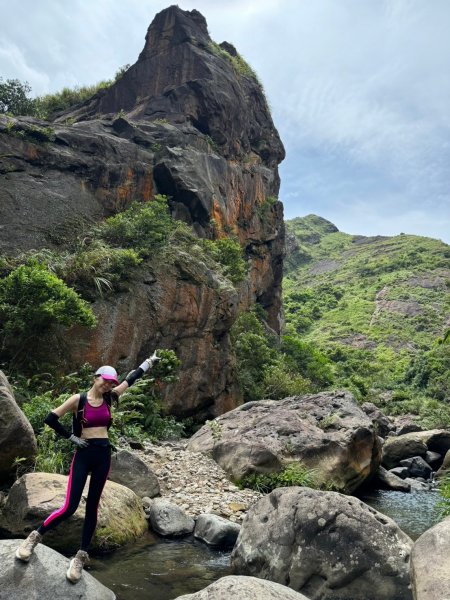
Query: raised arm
[[136, 374]]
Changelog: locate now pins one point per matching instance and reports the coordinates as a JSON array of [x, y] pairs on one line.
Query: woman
[[90, 423]]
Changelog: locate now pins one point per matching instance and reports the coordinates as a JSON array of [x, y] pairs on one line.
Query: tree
[[14, 97]]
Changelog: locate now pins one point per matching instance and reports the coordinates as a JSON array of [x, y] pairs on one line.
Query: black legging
[[95, 459]]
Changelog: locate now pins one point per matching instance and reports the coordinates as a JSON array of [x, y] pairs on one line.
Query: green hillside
[[378, 307]]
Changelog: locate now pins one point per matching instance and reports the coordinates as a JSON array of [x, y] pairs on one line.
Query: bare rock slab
[[430, 563], [324, 545], [244, 588], [44, 576], [327, 432]]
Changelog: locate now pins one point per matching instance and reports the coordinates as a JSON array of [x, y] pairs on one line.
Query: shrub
[[294, 474], [46, 107], [143, 227], [228, 253], [32, 300]]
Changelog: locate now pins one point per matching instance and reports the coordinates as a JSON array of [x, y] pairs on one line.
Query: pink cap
[[108, 373]]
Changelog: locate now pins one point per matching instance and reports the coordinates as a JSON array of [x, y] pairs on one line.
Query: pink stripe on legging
[[61, 510]]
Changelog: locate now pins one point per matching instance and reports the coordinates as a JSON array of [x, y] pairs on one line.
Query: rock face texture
[[190, 121], [417, 443], [325, 545], [244, 588], [430, 563], [44, 577], [16, 434], [33, 497], [327, 432], [132, 472]]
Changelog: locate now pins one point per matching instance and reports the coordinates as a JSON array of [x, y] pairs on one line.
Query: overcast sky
[[359, 91]]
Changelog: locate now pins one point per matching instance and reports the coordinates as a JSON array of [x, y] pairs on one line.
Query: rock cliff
[[188, 120]]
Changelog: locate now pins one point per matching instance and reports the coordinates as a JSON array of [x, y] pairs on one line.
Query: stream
[[163, 569]]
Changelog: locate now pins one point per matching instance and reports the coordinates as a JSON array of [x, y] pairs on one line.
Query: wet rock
[[401, 472], [430, 563], [216, 531], [392, 481], [327, 432], [35, 496], [168, 519], [244, 588], [132, 472], [417, 467], [44, 576], [324, 545]]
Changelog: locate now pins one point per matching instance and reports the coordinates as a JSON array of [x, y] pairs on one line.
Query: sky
[[359, 91]]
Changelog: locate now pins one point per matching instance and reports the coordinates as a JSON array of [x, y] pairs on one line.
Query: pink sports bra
[[96, 416]]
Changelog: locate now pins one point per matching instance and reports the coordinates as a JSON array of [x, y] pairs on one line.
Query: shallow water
[[414, 512], [160, 569]]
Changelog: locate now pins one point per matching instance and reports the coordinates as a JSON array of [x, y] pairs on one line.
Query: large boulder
[[430, 563], [44, 576], [16, 434], [129, 470], [324, 545], [244, 588], [416, 443], [33, 497], [327, 432]]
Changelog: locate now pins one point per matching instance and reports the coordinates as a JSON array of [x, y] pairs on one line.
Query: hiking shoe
[[26, 548], [75, 570]]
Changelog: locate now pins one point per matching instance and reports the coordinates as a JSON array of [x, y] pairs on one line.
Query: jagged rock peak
[[182, 76], [173, 26]]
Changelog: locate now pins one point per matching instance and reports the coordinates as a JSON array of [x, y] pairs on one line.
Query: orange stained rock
[[216, 214], [147, 186], [126, 189]]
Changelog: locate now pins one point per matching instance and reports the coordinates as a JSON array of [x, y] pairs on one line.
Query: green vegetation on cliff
[[377, 307]]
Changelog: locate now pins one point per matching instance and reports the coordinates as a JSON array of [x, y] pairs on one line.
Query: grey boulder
[[169, 519], [417, 467], [16, 434], [244, 588], [44, 576], [325, 545], [430, 563], [326, 432], [215, 530], [129, 470]]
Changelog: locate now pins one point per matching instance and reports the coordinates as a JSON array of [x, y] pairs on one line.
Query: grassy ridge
[[377, 306]]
